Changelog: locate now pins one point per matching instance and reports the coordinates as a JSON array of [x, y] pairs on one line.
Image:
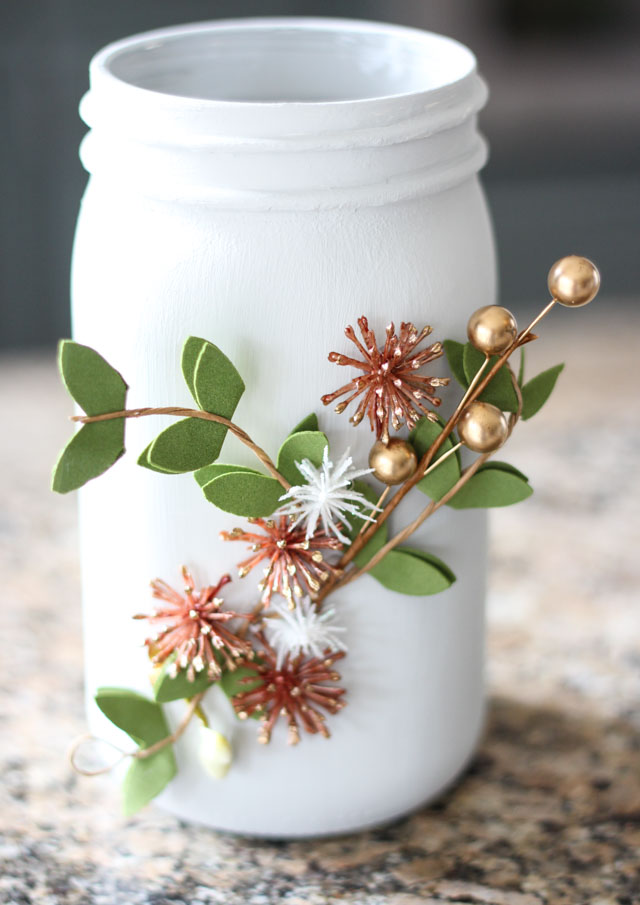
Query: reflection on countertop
[[549, 811]]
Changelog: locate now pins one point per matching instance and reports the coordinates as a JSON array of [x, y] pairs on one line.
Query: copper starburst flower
[[298, 691], [294, 566], [193, 627], [393, 392]]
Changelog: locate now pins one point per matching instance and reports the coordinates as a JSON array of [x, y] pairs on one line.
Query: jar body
[[274, 287]]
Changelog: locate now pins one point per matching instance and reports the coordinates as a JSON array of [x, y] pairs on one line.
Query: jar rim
[[285, 150], [178, 63]]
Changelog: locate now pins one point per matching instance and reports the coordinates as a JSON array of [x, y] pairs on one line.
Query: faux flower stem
[[142, 753], [192, 710], [440, 460], [470, 388], [385, 493], [406, 532], [193, 413], [524, 337]]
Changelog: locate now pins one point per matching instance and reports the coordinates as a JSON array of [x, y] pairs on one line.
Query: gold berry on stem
[[574, 281], [492, 329], [482, 427], [393, 462]]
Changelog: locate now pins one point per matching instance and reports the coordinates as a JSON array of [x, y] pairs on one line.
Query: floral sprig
[[193, 627], [298, 690], [393, 391], [304, 630], [326, 497], [286, 669], [293, 564]]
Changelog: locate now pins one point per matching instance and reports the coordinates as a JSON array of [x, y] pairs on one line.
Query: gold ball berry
[[574, 281], [482, 427], [394, 462], [492, 329]]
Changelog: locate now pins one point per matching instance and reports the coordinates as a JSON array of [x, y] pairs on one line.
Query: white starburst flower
[[302, 630], [326, 497]]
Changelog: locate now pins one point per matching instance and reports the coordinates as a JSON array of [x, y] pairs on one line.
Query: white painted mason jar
[[262, 184]]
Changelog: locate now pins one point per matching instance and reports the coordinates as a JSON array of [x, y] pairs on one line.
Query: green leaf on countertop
[[143, 720], [89, 453], [91, 381], [442, 478], [245, 493], [455, 352], [187, 445], [175, 688], [413, 572], [310, 423], [381, 536], [494, 484], [536, 392], [500, 391], [302, 445], [209, 472]]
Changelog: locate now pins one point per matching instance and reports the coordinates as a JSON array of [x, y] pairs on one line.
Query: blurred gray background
[[563, 123]]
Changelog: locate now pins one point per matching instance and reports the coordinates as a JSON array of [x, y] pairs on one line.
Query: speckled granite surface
[[549, 811]]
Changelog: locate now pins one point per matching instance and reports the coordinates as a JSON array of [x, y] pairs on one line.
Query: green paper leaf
[[143, 460], [212, 379], [381, 536], [413, 572], [184, 446], [536, 392], [310, 423], [209, 472], [504, 466], [147, 778], [216, 387], [302, 445], [91, 381], [167, 688], [143, 720], [89, 453], [231, 681], [191, 350], [454, 352], [442, 478], [435, 561], [494, 484], [97, 388], [521, 368], [245, 493], [500, 391]]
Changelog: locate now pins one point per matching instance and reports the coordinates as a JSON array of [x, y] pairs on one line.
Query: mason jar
[[262, 183]]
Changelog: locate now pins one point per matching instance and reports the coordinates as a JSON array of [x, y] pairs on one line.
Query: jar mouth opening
[[301, 61]]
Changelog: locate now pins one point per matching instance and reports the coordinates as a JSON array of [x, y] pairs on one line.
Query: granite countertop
[[548, 812]]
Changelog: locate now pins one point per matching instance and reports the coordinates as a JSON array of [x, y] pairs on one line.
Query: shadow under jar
[[262, 184]]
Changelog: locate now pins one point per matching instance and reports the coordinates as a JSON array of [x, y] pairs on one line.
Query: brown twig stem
[[192, 413]]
